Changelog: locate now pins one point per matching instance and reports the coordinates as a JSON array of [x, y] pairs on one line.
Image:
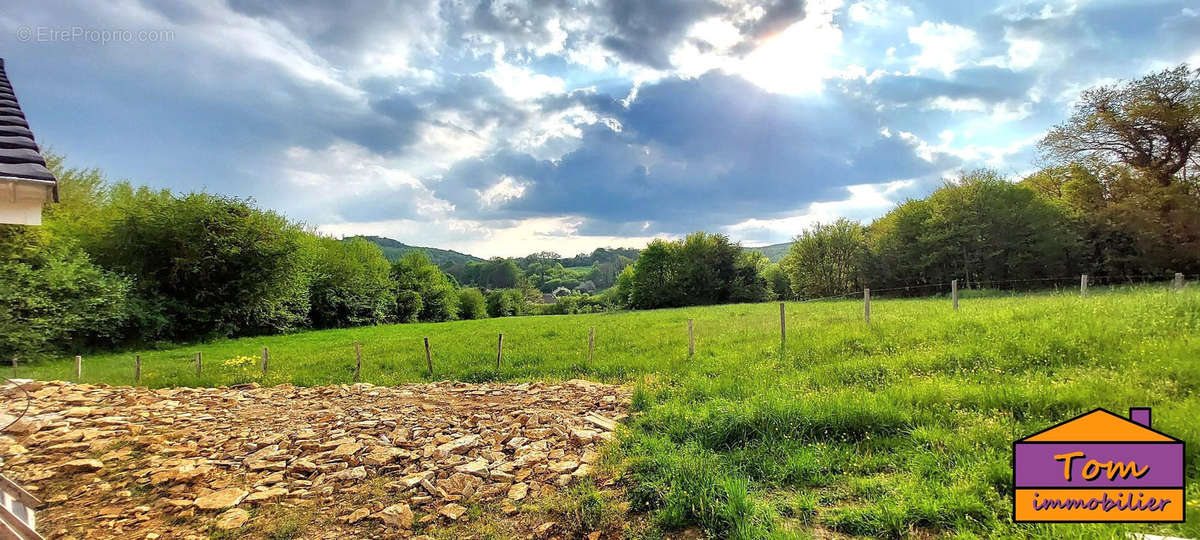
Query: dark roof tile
[[17, 142], [19, 154], [27, 171], [14, 131]]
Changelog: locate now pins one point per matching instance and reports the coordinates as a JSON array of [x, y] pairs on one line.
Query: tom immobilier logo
[[1099, 467]]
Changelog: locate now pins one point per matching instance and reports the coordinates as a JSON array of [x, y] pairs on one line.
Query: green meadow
[[902, 427]]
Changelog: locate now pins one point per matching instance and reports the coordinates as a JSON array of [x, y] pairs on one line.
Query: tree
[[1151, 124], [980, 227], [415, 272], [983, 227], [622, 290], [827, 259], [604, 273], [471, 304], [749, 284], [705, 268], [653, 280], [898, 256], [702, 269], [1128, 224], [495, 273]]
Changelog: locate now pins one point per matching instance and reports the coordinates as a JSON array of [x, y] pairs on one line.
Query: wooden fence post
[[428, 358], [691, 340], [78, 368], [1083, 283], [591, 343], [266, 357], [954, 292], [867, 305], [137, 369], [1179, 281], [199, 363], [499, 350], [357, 361], [14, 366], [782, 327]]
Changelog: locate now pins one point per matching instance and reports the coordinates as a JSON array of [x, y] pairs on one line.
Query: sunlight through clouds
[[944, 46], [580, 124], [799, 59]]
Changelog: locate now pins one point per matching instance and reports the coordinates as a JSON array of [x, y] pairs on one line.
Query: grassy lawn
[[900, 427]]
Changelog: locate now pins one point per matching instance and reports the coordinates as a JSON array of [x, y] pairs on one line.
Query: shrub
[[210, 265], [576, 303], [351, 284], [827, 259], [52, 296], [408, 306], [415, 272], [506, 303], [471, 304]]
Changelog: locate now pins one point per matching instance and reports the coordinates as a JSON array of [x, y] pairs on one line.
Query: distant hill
[[774, 252], [394, 250]]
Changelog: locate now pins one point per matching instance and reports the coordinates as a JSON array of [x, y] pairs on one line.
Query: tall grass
[[896, 428]]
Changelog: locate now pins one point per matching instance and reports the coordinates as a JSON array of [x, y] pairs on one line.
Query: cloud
[[863, 202], [646, 32], [943, 46], [505, 124], [878, 13], [755, 153], [346, 182]]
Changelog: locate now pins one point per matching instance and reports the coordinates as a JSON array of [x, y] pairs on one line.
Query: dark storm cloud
[[646, 32], [523, 21], [750, 154]]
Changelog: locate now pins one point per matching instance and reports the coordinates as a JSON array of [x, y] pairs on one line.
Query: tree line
[[115, 265], [547, 272]]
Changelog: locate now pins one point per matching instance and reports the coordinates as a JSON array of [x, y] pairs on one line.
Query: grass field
[[900, 427]]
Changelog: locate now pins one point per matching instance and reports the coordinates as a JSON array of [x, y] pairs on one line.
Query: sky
[[503, 128]]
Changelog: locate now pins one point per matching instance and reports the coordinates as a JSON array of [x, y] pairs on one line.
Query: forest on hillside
[[394, 250], [115, 265]]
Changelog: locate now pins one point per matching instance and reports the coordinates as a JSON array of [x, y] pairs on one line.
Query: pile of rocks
[[141, 463]]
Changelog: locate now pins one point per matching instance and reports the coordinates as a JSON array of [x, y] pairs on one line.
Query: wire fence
[[1016, 285], [189, 368]]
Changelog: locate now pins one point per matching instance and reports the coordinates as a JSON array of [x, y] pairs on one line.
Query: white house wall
[[21, 202]]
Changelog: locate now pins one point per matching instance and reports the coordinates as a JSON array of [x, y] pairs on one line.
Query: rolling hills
[[394, 250], [773, 252]]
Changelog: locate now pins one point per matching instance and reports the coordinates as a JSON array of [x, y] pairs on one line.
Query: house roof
[[1099, 426], [20, 157]]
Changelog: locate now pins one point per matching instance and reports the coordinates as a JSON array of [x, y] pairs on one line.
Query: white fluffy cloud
[[944, 47]]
